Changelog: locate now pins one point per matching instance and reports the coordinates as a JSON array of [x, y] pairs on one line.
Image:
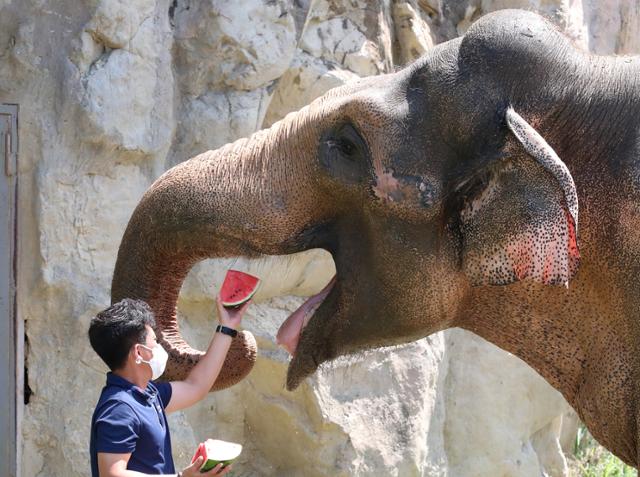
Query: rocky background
[[112, 93]]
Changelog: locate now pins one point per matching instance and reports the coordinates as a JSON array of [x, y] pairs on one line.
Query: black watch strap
[[225, 330]]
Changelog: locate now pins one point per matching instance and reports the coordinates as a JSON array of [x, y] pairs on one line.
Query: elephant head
[[421, 184]]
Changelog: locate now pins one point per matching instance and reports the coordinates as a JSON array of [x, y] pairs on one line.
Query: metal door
[[9, 376]]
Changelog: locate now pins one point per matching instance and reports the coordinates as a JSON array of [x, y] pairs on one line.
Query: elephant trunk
[[158, 283], [229, 202]]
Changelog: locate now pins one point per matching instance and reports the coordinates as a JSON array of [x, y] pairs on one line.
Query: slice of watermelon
[[238, 288], [215, 452]]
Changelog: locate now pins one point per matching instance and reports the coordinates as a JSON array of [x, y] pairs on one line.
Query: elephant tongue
[[289, 333]]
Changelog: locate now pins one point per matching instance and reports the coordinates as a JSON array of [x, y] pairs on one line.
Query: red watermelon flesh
[[238, 288], [199, 452]]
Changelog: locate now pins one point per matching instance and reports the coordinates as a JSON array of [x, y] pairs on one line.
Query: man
[[129, 429]]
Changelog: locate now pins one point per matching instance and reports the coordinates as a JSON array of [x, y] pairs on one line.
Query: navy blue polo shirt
[[130, 420]]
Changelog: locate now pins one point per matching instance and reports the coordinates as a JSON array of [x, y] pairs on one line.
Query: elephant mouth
[[290, 331]]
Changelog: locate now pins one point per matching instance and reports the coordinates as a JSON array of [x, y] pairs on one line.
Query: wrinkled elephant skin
[[493, 185]]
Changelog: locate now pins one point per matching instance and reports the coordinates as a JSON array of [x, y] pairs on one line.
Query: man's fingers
[[215, 471], [244, 307], [225, 470], [195, 466]]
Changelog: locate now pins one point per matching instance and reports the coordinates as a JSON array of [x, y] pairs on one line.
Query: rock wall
[[112, 93]]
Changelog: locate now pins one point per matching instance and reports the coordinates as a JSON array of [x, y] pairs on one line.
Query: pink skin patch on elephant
[[386, 185], [572, 238], [289, 333], [549, 254], [411, 190]]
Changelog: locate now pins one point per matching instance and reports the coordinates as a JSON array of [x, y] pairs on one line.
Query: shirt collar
[[115, 380]]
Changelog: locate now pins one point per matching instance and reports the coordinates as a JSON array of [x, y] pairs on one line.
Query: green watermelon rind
[[210, 464], [238, 304]]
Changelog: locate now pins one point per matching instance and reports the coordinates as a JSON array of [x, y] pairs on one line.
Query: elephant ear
[[521, 222]]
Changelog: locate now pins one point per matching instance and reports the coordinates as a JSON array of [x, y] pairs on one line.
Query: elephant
[[492, 185]]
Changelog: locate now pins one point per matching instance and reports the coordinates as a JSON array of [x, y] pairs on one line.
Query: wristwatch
[[225, 330]]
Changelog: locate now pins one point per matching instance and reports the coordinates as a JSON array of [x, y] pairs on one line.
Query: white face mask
[[158, 361]]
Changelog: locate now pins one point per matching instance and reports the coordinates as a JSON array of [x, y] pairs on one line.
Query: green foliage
[[592, 460]]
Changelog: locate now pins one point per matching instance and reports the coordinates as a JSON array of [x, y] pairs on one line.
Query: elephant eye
[[347, 141], [344, 153], [344, 146]]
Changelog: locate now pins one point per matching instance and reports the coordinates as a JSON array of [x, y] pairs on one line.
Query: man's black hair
[[115, 330]]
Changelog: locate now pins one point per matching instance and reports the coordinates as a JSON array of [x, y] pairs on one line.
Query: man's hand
[[193, 469], [230, 317], [199, 381]]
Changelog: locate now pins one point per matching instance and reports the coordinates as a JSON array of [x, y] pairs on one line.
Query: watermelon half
[[238, 288], [215, 452]]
